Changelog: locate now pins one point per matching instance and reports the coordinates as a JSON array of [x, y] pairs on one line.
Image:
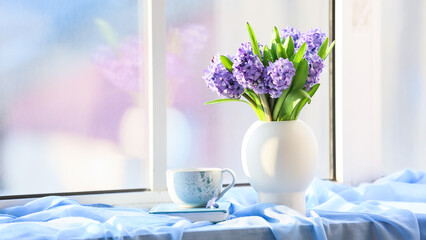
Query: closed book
[[194, 214]]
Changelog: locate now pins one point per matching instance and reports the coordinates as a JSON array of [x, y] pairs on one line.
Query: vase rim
[[296, 120]]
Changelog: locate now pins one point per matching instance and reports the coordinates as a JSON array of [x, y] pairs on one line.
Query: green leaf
[[289, 46], [274, 51], [329, 50], [252, 94], [277, 35], [267, 56], [280, 51], [253, 41], [284, 117], [283, 108], [222, 100], [313, 89], [260, 112], [299, 55], [106, 32], [296, 111], [291, 102], [323, 48], [273, 37], [299, 78], [279, 103], [252, 103], [226, 62]]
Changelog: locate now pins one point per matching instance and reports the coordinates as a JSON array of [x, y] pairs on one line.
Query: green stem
[[254, 105], [272, 104], [266, 108], [249, 99], [279, 104], [256, 99]]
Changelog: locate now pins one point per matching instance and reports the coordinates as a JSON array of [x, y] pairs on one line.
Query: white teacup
[[194, 187]]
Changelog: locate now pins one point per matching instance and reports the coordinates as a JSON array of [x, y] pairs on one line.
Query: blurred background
[[73, 95]]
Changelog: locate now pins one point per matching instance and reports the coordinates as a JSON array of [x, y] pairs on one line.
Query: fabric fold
[[392, 207]]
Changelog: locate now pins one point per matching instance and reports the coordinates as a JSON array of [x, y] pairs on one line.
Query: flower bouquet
[[276, 82]]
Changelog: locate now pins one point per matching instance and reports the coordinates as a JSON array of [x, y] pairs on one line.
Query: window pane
[[403, 85], [211, 136], [71, 113]]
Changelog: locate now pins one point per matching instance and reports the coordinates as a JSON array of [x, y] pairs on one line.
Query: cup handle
[[230, 185]]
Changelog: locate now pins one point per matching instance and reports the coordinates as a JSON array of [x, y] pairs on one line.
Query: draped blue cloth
[[393, 207]]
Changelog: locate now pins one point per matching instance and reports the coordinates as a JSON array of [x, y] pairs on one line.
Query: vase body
[[280, 160]]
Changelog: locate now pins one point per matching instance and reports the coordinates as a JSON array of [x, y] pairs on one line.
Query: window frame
[[332, 90], [154, 34], [157, 104], [358, 120]]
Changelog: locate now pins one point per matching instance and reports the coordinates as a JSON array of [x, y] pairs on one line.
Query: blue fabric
[[393, 207]]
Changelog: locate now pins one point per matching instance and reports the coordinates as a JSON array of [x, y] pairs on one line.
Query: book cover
[[195, 214]]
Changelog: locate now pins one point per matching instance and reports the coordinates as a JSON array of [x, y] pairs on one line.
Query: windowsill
[[393, 207], [348, 230]]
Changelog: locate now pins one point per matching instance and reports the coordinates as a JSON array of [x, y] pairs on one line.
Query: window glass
[[403, 85], [72, 106], [211, 136]]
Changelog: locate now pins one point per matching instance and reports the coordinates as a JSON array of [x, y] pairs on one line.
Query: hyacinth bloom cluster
[[313, 39], [276, 81], [248, 69], [219, 79], [278, 76], [316, 64], [294, 33]]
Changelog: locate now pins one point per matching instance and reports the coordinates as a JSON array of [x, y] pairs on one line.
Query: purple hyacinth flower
[[280, 73], [248, 69], [313, 38], [219, 79], [316, 64], [273, 92], [294, 33]]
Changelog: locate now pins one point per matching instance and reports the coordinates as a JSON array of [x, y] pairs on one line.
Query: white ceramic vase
[[280, 159]]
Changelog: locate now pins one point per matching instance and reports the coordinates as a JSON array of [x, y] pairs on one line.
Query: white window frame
[[156, 32], [358, 73]]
